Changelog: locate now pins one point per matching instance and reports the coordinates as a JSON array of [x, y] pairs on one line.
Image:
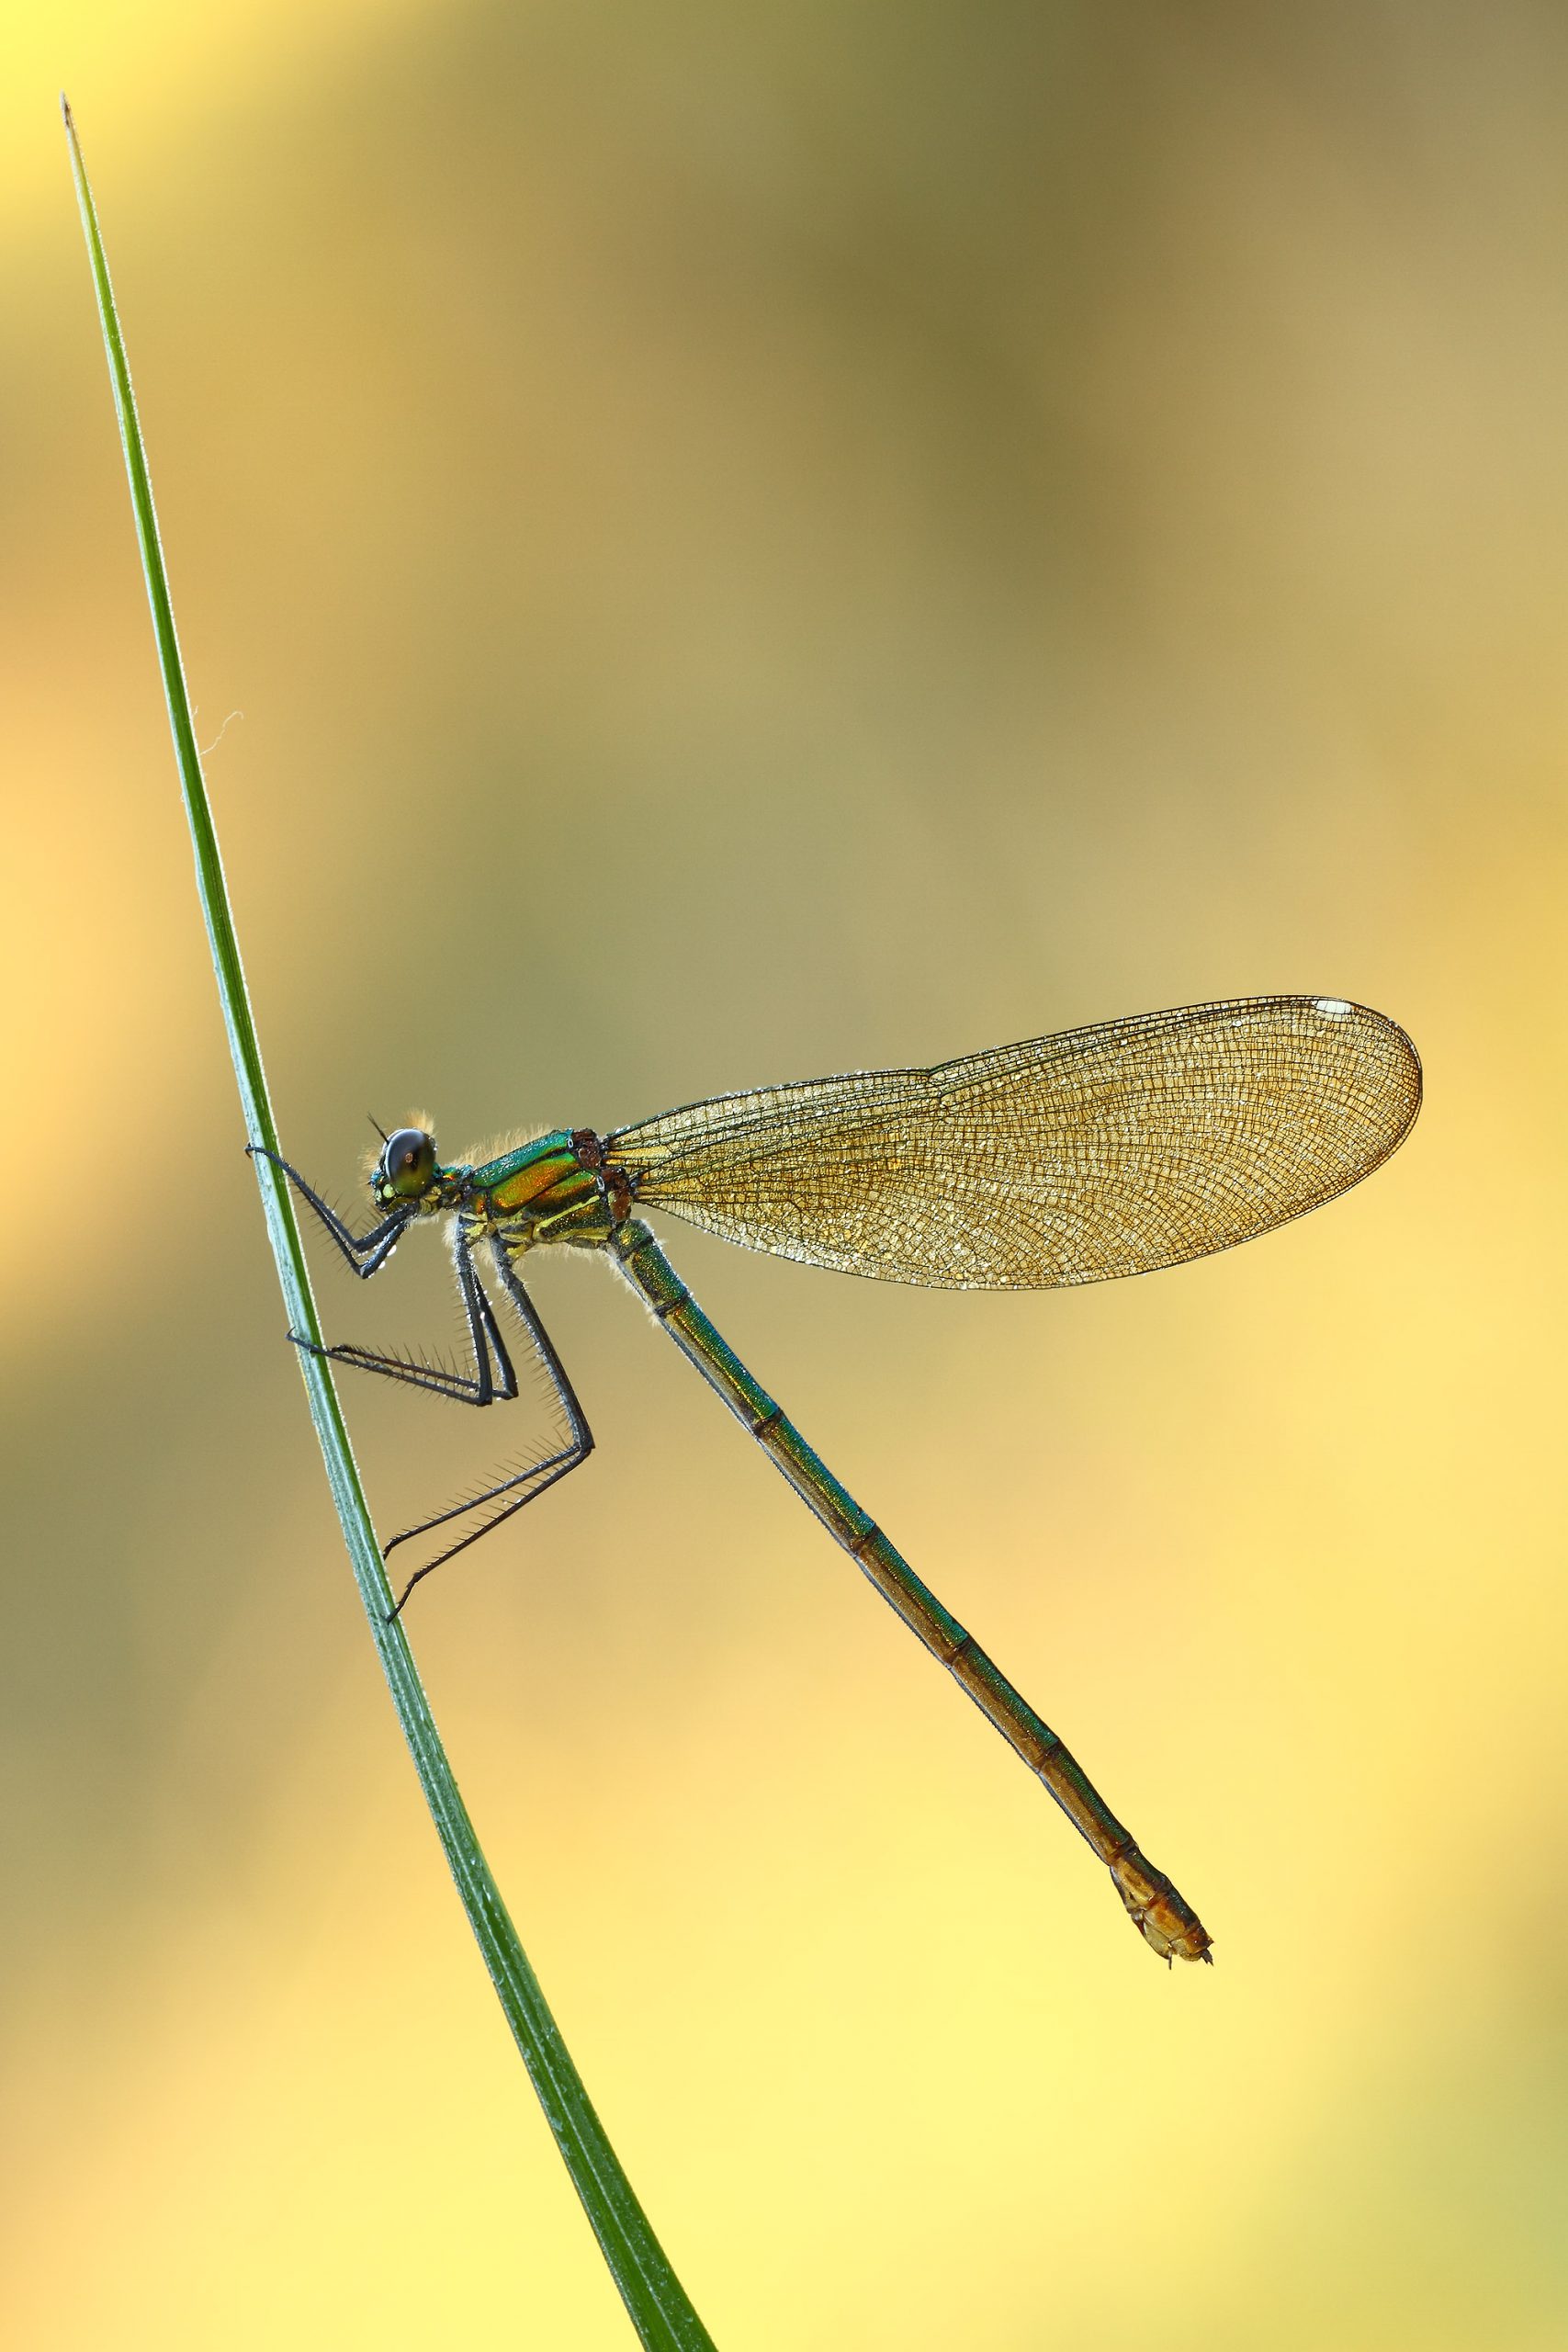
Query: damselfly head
[[406, 1168]]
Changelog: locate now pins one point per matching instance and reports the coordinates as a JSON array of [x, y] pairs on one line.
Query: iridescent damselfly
[[1115, 1150]]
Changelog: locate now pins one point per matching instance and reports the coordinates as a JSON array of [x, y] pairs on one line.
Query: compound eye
[[408, 1162]]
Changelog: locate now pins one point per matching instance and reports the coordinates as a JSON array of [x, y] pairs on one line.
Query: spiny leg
[[543, 1346], [483, 1385], [539, 1476], [1161, 1915], [554, 1467], [365, 1254]]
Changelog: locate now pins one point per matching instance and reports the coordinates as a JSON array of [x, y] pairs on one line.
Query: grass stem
[[653, 2295]]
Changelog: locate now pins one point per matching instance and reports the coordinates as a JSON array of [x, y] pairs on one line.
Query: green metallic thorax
[[540, 1192]]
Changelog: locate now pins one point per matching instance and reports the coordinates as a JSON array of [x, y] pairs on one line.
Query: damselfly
[[1111, 1150]]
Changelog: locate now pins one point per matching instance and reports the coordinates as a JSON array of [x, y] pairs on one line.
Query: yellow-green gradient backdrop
[[749, 542]]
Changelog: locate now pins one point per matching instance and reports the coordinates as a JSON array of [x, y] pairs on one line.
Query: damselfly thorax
[[546, 1190]]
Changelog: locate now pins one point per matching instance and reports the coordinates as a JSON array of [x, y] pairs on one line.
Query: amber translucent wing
[[1075, 1158]]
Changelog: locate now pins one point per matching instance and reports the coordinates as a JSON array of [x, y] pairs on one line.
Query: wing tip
[[1398, 1049]]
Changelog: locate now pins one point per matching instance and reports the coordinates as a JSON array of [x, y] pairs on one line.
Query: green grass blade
[[653, 2295]]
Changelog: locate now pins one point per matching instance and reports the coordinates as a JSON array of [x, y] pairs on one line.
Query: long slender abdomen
[[1165, 1921]]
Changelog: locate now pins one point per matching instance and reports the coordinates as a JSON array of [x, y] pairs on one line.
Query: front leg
[[364, 1253]]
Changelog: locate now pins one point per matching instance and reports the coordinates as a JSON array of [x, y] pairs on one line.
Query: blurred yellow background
[[750, 543]]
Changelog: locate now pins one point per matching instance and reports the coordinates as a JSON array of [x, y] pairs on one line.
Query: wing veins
[[1075, 1158]]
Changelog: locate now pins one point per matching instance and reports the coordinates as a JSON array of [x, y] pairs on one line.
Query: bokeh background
[[744, 544]]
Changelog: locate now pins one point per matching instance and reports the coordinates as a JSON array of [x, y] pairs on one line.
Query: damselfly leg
[[364, 1253], [535, 1477], [491, 1381]]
